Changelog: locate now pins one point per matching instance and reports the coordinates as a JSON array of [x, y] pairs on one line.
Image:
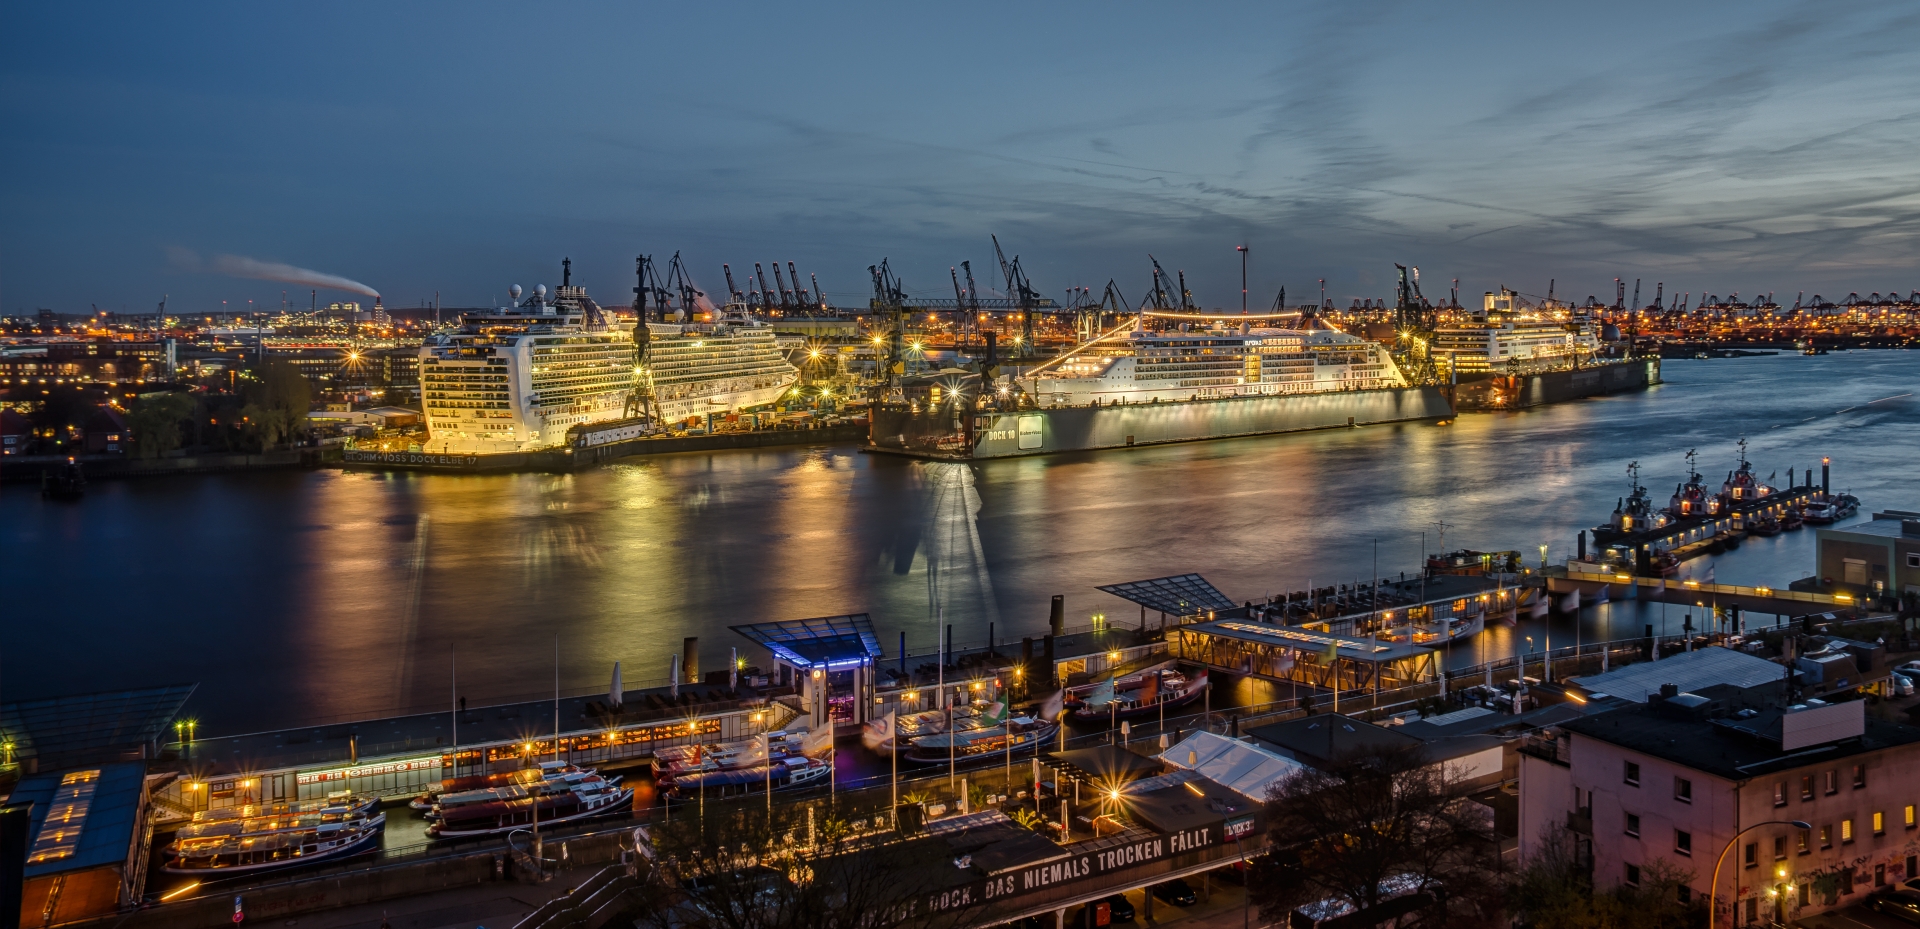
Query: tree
[[741, 866], [154, 419], [278, 398], [1372, 824], [1555, 891]]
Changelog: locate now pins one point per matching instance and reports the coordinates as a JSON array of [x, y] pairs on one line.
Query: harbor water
[[297, 597]]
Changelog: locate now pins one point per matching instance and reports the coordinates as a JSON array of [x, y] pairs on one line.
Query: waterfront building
[[1800, 807], [1877, 558]]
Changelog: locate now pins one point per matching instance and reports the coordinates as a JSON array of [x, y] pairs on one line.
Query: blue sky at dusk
[[460, 148]]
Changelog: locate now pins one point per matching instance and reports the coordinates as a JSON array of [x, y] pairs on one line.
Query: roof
[[105, 807], [1103, 764], [1177, 595], [1882, 526], [1189, 804], [1243, 767], [1717, 750], [827, 640], [1690, 671], [63, 732], [1352, 648], [1322, 738]]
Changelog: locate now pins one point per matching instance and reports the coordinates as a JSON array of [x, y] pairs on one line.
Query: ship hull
[[1520, 391], [1040, 432]]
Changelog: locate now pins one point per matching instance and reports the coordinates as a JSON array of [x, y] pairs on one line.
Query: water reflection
[[299, 596]]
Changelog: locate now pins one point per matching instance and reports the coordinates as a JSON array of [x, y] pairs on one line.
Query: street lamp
[[1713, 888]]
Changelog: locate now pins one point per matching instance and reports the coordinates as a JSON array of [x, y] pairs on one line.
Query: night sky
[[460, 148]]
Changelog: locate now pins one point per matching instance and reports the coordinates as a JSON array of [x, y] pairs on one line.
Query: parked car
[[1120, 907], [1176, 892], [1896, 902], [1901, 685]]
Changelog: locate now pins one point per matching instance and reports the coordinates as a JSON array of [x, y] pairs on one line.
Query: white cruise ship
[[1506, 331], [521, 378], [1213, 362], [699, 368]]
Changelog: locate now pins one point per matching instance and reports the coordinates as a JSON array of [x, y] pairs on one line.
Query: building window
[[1780, 793], [1859, 776], [1683, 842], [1879, 823], [1913, 559], [1633, 825], [1846, 830], [1879, 875], [1753, 855], [1826, 836], [1633, 774], [1633, 875], [1806, 787], [1833, 782], [1805, 839], [1779, 847], [1909, 815], [1683, 790], [1686, 894]]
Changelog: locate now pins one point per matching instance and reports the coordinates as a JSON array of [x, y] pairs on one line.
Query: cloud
[[255, 269]]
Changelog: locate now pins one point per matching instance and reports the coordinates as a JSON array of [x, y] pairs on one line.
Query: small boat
[[68, 483], [1845, 505], [556, 801], [1144, 694], [882, 740], [254, 838], [782, 774], [681, 760], [467, 782], [445, 804], [1821, 513], [1664, 564], [1792, 519], [992, 742], [1764, 526]]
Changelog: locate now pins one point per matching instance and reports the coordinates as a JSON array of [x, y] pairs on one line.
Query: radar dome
[[540, 289], [514, 291]]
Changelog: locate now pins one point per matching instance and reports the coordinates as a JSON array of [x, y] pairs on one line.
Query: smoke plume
[[242, 266]]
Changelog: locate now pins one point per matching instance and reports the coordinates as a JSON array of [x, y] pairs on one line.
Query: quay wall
[[99, 467], [1066, 429], [560, 460], [1520, 391]]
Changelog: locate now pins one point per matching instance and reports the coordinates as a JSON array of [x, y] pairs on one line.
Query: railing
[[1729, 590]]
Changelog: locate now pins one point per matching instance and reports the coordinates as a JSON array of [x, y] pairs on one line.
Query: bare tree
[[1379, 828], [747, 867], [1555, 891]]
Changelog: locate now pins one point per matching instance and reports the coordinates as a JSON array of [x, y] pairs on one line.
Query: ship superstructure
[[1506, 330], [732, 363], [1217, 361], [517, 378]]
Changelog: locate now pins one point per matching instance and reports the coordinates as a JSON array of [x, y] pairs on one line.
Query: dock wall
[[1520, 391], [100, 467], [1065, 429], [560, 460]]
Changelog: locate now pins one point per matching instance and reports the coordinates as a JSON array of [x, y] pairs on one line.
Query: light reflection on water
[[300, 596]]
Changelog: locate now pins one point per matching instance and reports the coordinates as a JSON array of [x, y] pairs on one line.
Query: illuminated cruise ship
[[698, 368], [1505, 331], [517, 378], [1213, 361]]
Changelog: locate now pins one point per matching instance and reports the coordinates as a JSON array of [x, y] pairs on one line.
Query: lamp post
[[1713, 888]]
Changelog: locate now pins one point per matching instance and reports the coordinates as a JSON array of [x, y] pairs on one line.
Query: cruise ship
[[1506, 330], [729, 364], [528, 376], [1210, 362]]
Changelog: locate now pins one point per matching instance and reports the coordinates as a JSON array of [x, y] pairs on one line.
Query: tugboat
[[1792, 519], [1767, 525], [68, 483], [1741, 486], [1631, 513], [1691, 499]]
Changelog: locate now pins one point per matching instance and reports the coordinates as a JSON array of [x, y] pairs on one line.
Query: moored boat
[[1162, 687], [555, 801], [780, 774], [254, 838], [990, 742], [884, 735], [466, 782]]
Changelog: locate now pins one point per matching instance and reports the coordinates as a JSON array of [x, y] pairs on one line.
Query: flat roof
[[1175, 595], [1703, 746], [1246, 768], [85, 729], [1325, 737], [1689, 671], [827, 640], [1105, 764], [1882, 526], [101, 801], [1352, 648]]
